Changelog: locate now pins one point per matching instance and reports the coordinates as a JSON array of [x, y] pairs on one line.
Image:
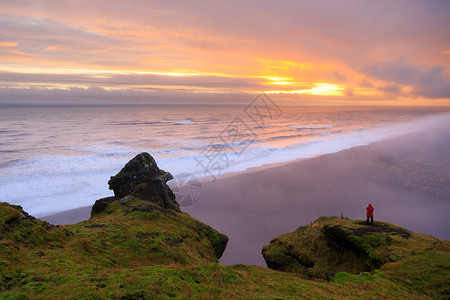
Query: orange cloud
[[8, 44], [54, 48]]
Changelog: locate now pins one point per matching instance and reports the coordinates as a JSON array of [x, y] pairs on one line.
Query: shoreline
[[70, 216], [79, 214], [406, 178], [310, 148]]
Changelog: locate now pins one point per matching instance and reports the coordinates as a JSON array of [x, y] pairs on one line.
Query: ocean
[[55, 158]]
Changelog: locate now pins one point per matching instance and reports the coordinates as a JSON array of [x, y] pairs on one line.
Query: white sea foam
[[188, 121], [184, 122], [50, 184], [76, 174]]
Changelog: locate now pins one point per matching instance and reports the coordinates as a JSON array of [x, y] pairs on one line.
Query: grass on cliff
[[123, 253], [204, 281], [347, 248]]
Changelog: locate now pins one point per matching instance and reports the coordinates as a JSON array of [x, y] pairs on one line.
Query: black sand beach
[[407, 180]]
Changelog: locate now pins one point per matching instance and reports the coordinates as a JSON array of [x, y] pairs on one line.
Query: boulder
[[142, 178]]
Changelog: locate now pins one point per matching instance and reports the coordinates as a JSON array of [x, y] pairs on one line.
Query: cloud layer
[[314, 50]]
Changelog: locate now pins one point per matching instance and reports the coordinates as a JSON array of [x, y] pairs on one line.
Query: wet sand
[[407, 180], [69, 216]]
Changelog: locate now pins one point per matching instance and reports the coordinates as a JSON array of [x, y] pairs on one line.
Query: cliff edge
[[338, 249]]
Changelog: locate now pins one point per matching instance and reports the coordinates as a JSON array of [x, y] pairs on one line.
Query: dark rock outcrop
[[141, 191], [101, 204], [142, 178]]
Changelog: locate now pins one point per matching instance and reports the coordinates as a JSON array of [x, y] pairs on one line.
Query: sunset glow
[[173, 49], [320, 89]]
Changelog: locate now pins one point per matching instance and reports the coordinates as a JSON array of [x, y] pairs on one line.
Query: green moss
[[349, 247], [9, 214], [140, 189], [301, 228], [323, 218], [342, 277], [144, 216], [113, 207], [14, 296], [126, 253]]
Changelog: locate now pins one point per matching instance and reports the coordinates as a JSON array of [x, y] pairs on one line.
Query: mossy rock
[[349, 248], [9, 214], [142, 178]]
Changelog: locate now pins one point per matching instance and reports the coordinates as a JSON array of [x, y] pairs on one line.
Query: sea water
[[55, 158]]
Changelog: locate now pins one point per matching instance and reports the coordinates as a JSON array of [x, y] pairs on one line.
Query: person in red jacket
[[369, 214]]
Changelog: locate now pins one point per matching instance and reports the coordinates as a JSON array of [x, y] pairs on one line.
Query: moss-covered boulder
[[142, 177], [34, 255]]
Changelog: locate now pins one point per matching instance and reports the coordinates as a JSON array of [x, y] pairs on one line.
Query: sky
[[321, 52]]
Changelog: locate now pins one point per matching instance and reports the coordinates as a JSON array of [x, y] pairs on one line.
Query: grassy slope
[[137, 255]]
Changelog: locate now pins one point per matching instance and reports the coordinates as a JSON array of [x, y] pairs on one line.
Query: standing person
[[369, 214]]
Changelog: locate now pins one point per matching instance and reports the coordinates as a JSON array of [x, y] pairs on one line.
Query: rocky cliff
[[332, 248]]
